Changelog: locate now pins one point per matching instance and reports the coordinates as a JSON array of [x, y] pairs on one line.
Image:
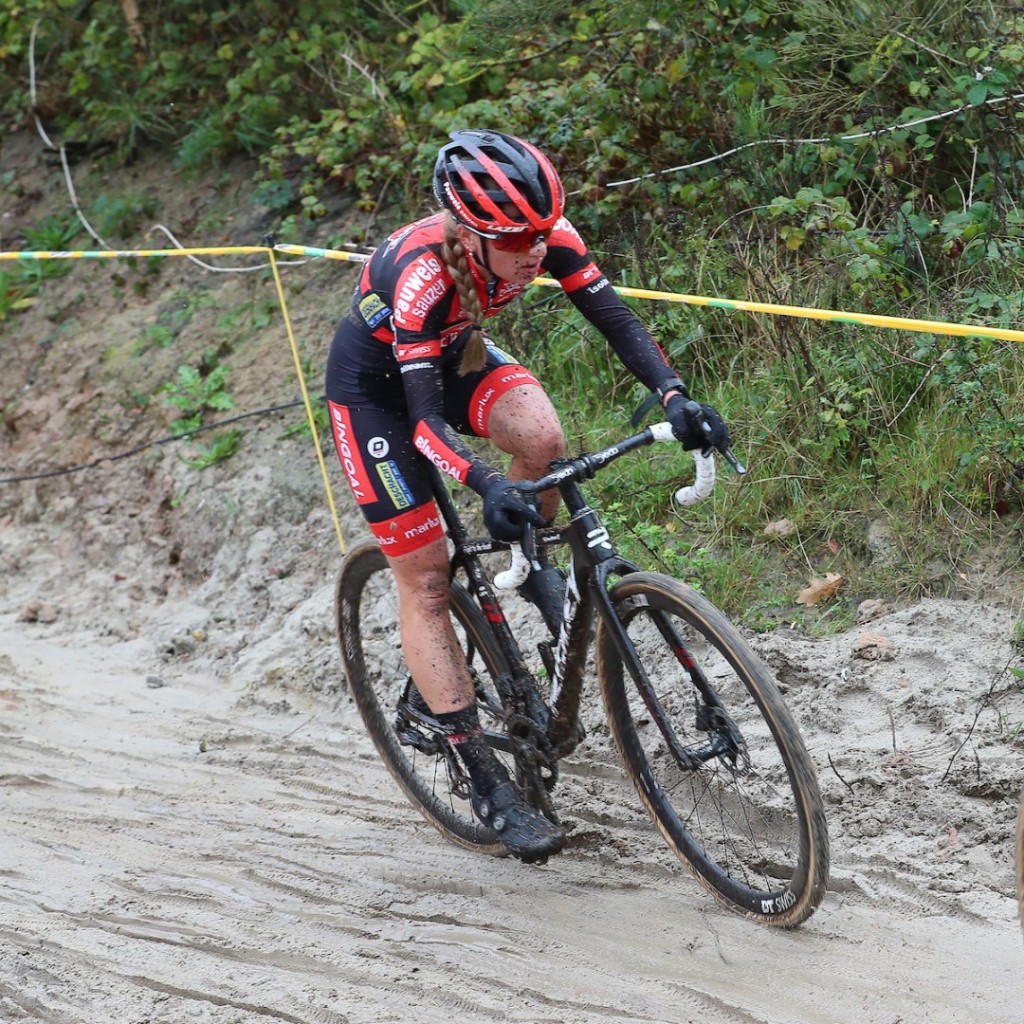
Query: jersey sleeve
[[422, 303], [569, 262]]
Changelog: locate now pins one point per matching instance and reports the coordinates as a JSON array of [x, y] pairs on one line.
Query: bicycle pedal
[[409, 736]]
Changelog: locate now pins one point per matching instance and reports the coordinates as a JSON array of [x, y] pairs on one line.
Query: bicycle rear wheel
[[713, 751], [423, 763]]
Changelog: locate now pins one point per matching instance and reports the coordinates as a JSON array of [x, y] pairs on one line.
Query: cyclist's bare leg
[[431, 649], [524, 423], [438, 666]]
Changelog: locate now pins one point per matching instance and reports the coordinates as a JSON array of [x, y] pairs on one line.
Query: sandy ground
[[186, 840], [195, 829]]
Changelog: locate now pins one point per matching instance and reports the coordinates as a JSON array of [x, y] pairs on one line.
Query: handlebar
[[585, 467]]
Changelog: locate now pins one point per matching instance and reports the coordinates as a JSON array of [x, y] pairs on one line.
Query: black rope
[[149, 444]]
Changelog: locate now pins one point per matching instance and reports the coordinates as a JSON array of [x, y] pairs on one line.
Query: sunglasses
[[521, 241]]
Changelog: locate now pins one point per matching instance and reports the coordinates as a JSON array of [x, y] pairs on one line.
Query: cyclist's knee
[[430, 595], [423, 580], [549, 445], [525, 424]]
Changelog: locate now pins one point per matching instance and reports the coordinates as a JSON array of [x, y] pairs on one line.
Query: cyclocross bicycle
[[707, 739]]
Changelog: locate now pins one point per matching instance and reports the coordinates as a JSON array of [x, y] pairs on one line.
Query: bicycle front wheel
[[713, 751], [422, 762]]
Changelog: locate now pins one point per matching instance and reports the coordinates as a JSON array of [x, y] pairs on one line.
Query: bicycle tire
[[753, 832], [366, 606]]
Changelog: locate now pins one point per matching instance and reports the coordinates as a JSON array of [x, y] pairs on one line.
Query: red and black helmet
[[480, 176]]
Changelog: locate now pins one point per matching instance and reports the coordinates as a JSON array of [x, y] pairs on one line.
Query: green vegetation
[[222, 447], [195, 391], [875, 164], [21, 281]]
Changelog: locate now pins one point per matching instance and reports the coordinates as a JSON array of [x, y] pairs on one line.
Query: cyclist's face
[[520, 266]]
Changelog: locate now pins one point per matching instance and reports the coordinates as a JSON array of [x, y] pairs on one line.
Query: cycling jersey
[[406, 330]]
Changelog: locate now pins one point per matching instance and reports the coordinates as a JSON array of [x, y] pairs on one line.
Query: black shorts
[[389, 478]]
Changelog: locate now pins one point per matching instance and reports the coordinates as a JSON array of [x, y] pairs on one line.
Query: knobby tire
[[751, 828], [366, 609]]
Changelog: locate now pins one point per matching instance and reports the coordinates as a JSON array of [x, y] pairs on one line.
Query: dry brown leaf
[[820, 589]]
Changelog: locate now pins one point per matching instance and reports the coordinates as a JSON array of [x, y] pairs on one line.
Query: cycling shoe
[[523, 830], [545, 588]]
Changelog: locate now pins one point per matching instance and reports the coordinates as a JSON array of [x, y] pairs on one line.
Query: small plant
[[154, 334], [54, 233], [123, 216], [1011, 728], [301, 427], [16, 294], [1017, 634], [222, 447], [20, 286], [195, 391], [766, 614]]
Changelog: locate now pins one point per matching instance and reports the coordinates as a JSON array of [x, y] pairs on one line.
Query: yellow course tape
[[89, 254], [808, 312], [220, 250], [870, 319]]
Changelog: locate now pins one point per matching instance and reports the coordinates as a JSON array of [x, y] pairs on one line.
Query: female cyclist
[[411, 369]]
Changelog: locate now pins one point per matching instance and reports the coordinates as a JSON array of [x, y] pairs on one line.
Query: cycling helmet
[[480, 174]]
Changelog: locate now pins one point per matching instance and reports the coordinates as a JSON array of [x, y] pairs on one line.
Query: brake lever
[[729, 456], [528, 542], [694, 409]]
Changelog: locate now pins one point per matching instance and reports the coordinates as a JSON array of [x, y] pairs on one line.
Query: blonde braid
[[453, 252]]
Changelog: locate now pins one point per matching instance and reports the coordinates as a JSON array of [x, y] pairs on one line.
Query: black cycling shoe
[[523, 830], [545, 589]]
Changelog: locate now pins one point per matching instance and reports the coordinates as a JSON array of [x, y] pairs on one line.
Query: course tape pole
[[219, 250], [305, 400]]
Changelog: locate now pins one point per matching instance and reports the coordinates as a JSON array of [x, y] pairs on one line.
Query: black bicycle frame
[[594, 562], [553, 727]]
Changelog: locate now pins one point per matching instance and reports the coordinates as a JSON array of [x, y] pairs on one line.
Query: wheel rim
[[738, 825], [378, 675]]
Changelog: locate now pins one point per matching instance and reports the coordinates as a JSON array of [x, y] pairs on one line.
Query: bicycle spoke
[[714, 753], [419, 757]]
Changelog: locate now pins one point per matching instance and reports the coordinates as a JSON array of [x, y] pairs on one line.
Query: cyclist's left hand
[[506, 511], [686, 417]]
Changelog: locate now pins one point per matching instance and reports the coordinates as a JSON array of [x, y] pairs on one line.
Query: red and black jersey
[[406, 317]]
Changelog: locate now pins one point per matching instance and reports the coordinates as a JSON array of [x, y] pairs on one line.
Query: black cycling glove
[[506, 511], [685, 416]]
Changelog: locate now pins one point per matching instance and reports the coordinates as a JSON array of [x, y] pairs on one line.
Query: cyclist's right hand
[[506, 511], [697, 426]]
